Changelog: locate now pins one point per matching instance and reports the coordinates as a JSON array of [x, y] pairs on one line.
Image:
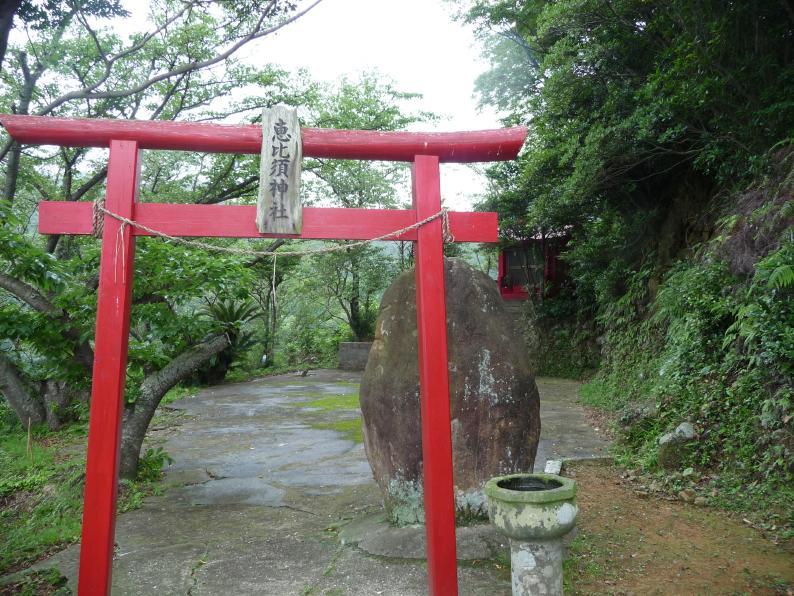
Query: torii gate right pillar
[[431, 320]]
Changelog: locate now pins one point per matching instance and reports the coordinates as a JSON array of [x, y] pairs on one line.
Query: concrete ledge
[[353, 355], [596, 460]]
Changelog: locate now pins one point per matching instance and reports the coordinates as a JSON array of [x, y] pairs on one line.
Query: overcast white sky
[[414, 42]]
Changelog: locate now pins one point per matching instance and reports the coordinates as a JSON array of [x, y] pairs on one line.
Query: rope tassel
[[98, 216]]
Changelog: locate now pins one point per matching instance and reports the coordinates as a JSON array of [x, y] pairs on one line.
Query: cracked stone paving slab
[[255, 494]]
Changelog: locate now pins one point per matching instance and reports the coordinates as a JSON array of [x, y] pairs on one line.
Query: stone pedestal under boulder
[[494, 410]]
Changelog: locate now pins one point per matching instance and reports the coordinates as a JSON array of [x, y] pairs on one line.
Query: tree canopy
[[197, 315], [659, 145]]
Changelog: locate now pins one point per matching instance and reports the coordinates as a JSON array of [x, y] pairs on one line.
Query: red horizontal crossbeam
[[481, 145], [237, 221]]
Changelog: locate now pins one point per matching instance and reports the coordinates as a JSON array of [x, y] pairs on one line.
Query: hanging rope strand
[[446, 233], [273, 281], [98, 218]]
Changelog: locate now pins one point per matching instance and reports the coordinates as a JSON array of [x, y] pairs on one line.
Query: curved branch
[[83, 354], [247, 185], [270, 248], [138, 416], [256, 33], [85, 92], [26, 407], [28, 294]]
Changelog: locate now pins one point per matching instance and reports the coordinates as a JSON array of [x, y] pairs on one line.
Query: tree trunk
[[26, 406], [15, 149], [12, 172], [57, 398], [7, 11], [357, 323], [137, 416]]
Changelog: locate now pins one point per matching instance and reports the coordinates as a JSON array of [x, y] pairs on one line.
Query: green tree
[[182, 67], [50, 14], [660, 142], [639, 114], [354, 279]]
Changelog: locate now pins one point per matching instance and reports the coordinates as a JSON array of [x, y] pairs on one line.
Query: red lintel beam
[[481, 145], [237, 221]]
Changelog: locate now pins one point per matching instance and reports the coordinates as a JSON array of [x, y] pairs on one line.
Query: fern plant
[[230, 317]]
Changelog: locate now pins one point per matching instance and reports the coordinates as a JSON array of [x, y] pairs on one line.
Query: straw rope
[[99, 209]]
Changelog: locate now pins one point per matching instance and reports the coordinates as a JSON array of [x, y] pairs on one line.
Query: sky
[[414, 42]]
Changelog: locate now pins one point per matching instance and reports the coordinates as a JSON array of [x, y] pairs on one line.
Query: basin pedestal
[[535, 511]]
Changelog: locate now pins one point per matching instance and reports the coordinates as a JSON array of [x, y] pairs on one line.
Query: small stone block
[[553, 466]]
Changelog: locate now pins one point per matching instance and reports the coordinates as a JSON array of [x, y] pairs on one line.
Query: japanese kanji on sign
[[278, 209]]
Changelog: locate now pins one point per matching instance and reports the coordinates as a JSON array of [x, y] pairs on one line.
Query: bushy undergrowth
[[316, 345], [560, 344], [41, 489], [40, 494], [647, 125], [714, 348]]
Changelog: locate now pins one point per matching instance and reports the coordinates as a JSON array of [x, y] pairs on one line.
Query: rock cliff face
[[494, 400]]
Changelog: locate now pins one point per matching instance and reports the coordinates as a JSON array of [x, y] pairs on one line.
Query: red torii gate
[[126, 139]]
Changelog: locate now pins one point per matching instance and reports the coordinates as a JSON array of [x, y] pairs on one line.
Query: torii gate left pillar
[[125, 140]]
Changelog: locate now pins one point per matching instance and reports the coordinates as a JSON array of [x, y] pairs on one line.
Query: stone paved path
[[564, 431], [258, 491]]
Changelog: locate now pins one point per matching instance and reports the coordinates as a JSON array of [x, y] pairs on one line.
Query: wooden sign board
[[278, 208]]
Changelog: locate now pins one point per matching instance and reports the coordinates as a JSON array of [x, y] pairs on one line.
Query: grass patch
[[343, 401], [178, 392], [41, 493], [45, 581], [350, 429], [585, 562], [597, 394]]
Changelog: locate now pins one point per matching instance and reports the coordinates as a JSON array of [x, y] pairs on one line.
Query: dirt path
[[629, 544]]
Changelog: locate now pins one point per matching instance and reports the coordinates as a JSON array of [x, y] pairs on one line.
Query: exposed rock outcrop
[[674, 446]]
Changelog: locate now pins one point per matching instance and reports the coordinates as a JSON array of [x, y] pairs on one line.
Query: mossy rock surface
[[494, 399]]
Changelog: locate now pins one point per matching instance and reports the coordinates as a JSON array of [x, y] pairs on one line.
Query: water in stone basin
[[528, 483]]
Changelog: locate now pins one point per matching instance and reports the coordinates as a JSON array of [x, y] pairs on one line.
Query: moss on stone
[[344, 401], [350, 428]]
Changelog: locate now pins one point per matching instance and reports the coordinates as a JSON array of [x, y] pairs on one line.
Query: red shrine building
[[532, 267]]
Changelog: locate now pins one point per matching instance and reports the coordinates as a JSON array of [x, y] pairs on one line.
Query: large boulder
[[495, 405]]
